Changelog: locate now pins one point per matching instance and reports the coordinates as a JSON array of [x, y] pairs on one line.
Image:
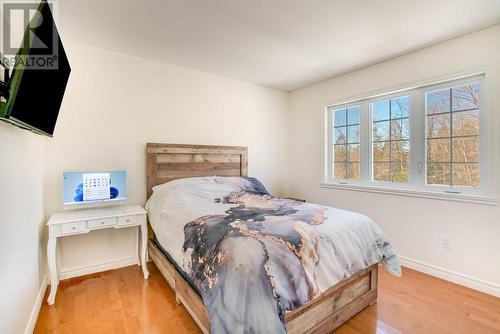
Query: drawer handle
[[128, 221], [102, 223], [73, 228]]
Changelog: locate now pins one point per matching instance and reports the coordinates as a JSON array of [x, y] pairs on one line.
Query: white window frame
[[330, 112], [417, 183], [482, 173]]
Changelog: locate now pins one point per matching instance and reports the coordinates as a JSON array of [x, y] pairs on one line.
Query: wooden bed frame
[[323, 314]]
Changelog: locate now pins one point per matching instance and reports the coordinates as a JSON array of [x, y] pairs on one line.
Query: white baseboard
[[30, 326], [448, 275], [66, 273]]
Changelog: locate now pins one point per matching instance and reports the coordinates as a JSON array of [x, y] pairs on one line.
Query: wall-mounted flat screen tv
[[94, 187], [39, 76]]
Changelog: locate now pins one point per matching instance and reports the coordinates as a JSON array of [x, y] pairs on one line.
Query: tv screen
[[94, 187], [39, 76]]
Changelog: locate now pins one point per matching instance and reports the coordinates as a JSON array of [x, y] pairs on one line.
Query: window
[[391, 139], [346, 143], [427, 138], [452, 133]]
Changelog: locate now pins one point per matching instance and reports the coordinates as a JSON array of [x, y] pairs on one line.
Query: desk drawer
[[71, 228], [126, 220], [105, 222]]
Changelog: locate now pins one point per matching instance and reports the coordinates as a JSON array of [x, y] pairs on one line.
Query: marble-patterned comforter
[[253, 256]]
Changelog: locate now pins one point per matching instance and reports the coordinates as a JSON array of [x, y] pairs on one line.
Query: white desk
[[66, 223]]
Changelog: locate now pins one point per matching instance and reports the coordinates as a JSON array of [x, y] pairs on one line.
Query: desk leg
[[144, 248], [52, 264]]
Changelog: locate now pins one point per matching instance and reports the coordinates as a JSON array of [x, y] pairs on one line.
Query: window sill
[[464, 198]]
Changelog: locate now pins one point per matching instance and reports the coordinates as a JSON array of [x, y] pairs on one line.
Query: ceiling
[[284, 44]]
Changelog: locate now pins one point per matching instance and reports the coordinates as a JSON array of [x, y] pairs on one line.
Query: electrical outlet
[[446, 242]]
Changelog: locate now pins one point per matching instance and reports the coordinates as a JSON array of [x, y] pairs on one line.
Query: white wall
[[116, 103], [21, 225], [414, 225]]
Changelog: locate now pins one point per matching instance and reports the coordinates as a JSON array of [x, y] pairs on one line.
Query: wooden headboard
[[166, 162]]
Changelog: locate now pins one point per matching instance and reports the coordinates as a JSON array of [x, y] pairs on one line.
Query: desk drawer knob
[[128, 220], [73, 228], [102, 223]]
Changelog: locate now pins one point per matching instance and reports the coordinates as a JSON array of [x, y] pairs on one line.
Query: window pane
[[465, 97], [353, 171], [353, 152], [400, 107], [438, 150], [353, 134], [438, 173], [346, 130], [382, 171], [400, 129], [381, 131], [438, 102], [339, 170], [339, 118], [465, 175], [353, 115], [339, 135], [400, 172], [340, 153], [438, 126], [466, 149], [381, 110], [400, 150], [381, 151], [466, 123]]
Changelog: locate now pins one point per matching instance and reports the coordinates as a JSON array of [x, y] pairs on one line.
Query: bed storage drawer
[[98, 223], [336, 305]]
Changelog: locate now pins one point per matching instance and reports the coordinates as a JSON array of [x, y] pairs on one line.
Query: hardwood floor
[[121, 301], [115, 301]]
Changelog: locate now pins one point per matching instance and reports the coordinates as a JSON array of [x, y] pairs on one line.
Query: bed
[[325, 309]]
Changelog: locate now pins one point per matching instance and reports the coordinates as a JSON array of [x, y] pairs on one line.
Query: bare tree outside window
[[452, 133], [391, 134], [346, 143]]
